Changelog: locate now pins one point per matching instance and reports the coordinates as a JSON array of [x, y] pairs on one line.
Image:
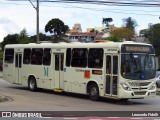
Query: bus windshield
[[138, 66]]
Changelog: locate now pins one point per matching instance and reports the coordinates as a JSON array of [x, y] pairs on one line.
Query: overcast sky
[[14, 16]]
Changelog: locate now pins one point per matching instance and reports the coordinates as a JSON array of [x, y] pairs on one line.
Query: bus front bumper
[[136, 94]]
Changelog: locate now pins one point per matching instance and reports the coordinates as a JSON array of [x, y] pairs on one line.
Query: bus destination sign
[[137, 49]]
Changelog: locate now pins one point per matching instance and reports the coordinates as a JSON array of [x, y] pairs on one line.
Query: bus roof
[[108, 44]]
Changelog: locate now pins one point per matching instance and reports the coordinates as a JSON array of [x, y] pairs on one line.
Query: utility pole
[[37, 10], [37, 25]]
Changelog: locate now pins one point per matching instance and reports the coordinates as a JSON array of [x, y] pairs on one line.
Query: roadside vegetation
[[57, 29]]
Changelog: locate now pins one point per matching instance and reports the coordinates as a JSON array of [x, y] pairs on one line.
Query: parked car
[[158, 79]]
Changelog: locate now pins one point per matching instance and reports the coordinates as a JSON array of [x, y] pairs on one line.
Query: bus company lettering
[[79, 70]]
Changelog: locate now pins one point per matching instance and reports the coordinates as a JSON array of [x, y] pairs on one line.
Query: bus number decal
[[46, 71]]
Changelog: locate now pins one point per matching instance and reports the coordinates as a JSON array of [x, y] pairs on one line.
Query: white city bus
[[118, 70]]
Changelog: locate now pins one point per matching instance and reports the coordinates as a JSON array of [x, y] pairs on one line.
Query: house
[[77, 27], [82, 37], [139, 39], [103, 32]]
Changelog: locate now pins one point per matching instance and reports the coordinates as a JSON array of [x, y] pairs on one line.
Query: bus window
[[108, 65], [68, 57], [9, 55], [79, 57], [27, 56], [115, 64], [59, 62], [46, 56], [37, 54], [95, 58]]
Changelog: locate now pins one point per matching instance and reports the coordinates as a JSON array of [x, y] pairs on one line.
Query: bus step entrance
[[57, 90]]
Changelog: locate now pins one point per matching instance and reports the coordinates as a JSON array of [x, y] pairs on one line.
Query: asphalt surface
[[6, 98]]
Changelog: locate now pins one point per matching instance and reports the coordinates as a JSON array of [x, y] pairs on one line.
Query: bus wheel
[[32, 85], [93, 92]]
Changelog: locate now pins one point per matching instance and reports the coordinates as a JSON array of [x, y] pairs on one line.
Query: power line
[[32, 4], [78, 7], [136, 3], [95, 9], [111, 3], [104, 10]]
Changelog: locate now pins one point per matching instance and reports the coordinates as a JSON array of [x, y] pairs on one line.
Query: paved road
[[46, 100]]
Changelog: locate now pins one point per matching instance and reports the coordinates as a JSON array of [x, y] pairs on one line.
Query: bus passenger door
[[58, 84], [111, 75], [18, 66]]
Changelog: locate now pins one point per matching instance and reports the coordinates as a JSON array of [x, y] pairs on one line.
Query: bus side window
[[9, 55], [79, 57], [108, 65], [95, 58], [46, 56], [115, 64], [27, 56], [68, 57], [37, 54]]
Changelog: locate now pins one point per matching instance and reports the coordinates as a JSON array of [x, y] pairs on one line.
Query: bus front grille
[[137, 84], [140, 93]]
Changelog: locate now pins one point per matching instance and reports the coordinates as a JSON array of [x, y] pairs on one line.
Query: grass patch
[[4, 99]]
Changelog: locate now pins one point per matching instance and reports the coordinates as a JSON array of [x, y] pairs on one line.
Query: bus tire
[[94, 92], [32, 84]]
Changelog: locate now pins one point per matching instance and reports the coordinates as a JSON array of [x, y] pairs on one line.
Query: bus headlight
[[152, 87], [125, 86]]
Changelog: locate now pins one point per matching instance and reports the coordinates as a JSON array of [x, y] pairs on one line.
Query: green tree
[[114, 38], [42, 37], [106, 21], [143, 33], [153, 36], [9, 39], [122, 33], [95, 31], [23, 37], [130, 24], [57, 27]]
